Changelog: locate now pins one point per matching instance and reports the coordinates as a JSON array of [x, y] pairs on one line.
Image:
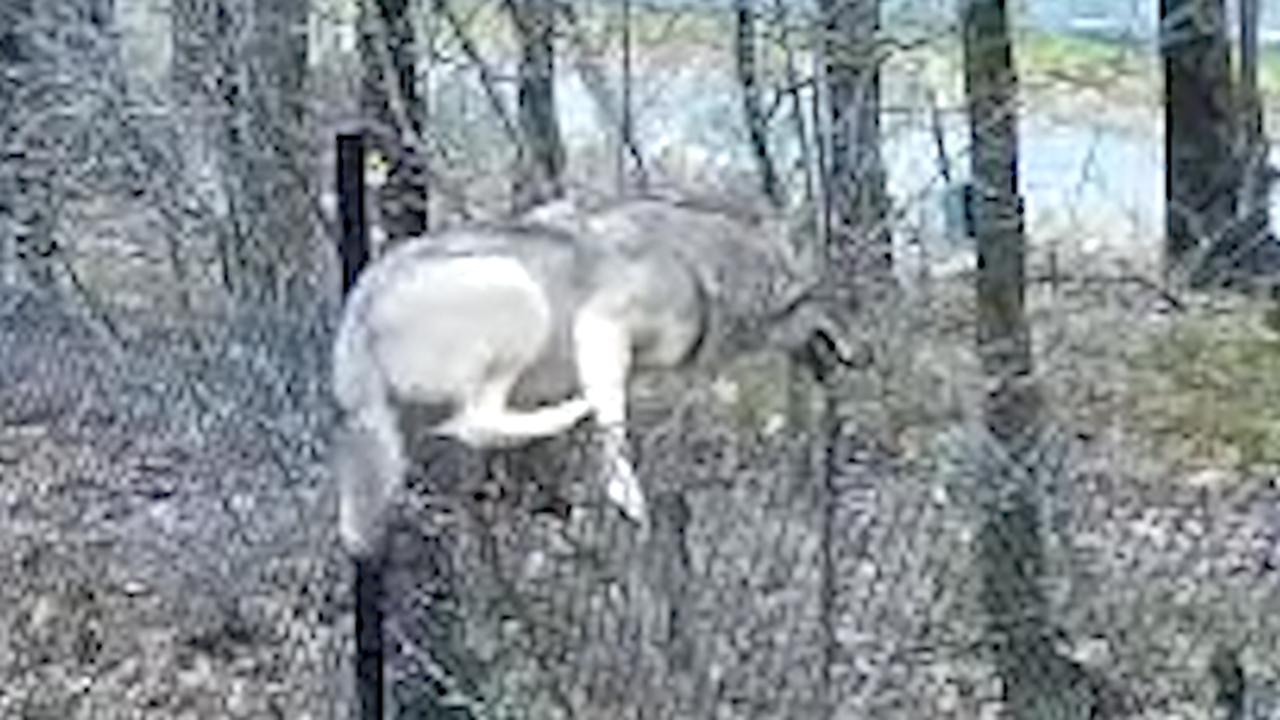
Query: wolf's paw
[[623, 489]]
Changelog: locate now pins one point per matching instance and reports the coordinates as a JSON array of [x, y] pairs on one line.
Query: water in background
[[1083, 184], [1134, 19]]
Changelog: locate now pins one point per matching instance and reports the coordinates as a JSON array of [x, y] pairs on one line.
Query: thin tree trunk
[[260, 70], [396, 112], [199, 79], [539, 175], [1038, 683], [202, 34], [821, 118], [749, 82], [806, 160], [1250, 19], [230, 147], [280, 43], [1255, 188], [1202, 177], [255, 53], [27, 195], [619, 116], [861, 244], [625, 131], [15, 54], [1003, 333]]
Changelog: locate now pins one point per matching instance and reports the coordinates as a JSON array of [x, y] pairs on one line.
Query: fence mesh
[[168, 528]]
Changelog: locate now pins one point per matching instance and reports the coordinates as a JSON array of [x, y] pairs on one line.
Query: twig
[[487, 78], [1128, 279], [594, 80]]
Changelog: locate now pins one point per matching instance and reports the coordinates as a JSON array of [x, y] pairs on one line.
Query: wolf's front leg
[[603, 356], [622, 487]]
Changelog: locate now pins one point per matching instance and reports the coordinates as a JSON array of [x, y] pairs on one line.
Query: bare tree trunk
[[204, 85], [280, 45], [1202, 177], [618, 115], [822, 133], [795, 93], [26, 179], [625, 131], [1251, 119], [14, 56], [1261, 255], [749, 82], [396, 110], [193, 32], [260, 73], [209, 62], [14, 53], [1038, 682], [860, 240], [539, 175], [1256, 194]]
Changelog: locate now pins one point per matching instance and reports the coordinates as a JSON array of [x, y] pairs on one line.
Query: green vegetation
[[1100, 60], [1209, 390], [1088, 59]]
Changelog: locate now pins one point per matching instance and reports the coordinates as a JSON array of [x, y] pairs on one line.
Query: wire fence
[[168, 531]]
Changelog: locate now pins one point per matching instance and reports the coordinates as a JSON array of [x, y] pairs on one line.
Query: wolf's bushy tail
[[368, 451], [356, 374]]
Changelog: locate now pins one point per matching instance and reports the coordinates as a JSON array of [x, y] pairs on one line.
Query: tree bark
[[618, 113], [1251, 118], [259, 68], [749, 83], [395, 109], [1038, 683], [280, 45], [627, 146], [857, 197], [14, 55], [1202, 176], [792, 78], [199, 72], [541, 161], [26, 178], [1261, 254]]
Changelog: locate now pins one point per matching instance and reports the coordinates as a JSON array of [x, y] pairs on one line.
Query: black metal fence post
[[353, 248]]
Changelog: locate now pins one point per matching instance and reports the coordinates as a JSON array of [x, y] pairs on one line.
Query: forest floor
[[167, 520]]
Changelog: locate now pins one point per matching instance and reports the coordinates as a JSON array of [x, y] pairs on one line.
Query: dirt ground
[[168, 550]]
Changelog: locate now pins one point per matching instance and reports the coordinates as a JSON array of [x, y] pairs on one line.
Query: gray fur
[[524, 329]]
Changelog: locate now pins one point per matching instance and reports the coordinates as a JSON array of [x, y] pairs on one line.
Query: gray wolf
[[522, 330]]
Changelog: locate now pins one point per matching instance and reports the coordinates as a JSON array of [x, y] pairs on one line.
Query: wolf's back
[[357, 377]]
